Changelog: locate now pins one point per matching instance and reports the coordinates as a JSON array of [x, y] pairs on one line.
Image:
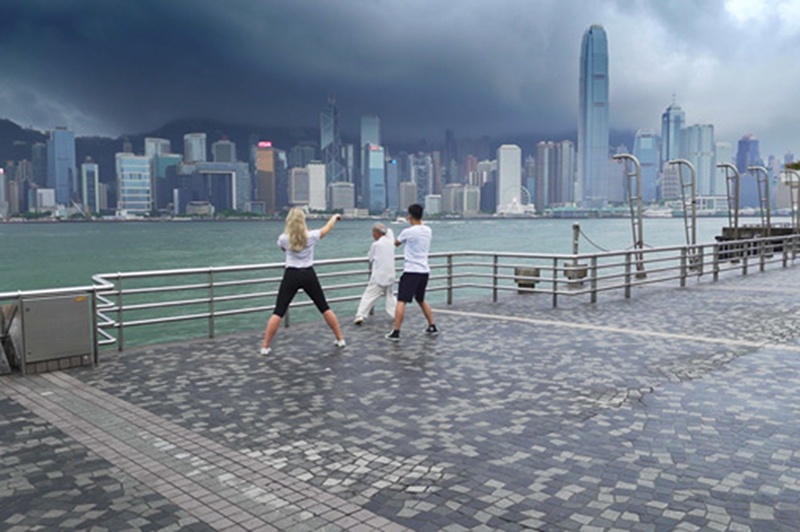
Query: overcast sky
[[499, 67]]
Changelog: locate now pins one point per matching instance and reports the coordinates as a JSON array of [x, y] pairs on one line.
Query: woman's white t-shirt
[[303, 258]]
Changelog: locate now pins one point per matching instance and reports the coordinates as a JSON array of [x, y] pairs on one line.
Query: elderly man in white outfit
[[381, 279]]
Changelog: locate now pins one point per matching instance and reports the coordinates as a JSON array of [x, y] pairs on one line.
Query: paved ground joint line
[[620, 330]]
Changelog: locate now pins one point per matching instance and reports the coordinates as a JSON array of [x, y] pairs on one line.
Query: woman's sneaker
[[393, 335], [339, 343], [432, 330], [265, 351]]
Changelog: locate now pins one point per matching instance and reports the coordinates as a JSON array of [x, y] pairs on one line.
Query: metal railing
[[165, 305], [214, 298]]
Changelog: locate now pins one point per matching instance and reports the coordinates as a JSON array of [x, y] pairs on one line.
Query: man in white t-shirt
[[414, 281], [381, 279]]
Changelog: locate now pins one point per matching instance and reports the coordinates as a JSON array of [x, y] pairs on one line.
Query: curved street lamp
[[732, 175], [764, 203], [690, 227], [635, 203]]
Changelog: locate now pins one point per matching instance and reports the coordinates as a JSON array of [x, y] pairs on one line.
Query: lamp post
[[764, 201], [635, 203], [794, 186], [732, 174], [691, 231]]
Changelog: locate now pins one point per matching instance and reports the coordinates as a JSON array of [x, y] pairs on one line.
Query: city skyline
[[505, 69]]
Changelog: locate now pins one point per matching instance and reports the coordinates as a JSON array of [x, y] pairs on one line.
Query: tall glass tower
[[61, 168], [593, 118], [672, 121]]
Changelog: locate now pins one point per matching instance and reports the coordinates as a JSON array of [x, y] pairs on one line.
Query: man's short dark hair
[[415, 210]]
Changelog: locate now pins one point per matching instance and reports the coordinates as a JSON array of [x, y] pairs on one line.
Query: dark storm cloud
[[505, 67]]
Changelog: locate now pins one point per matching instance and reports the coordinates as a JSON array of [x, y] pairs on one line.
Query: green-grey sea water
[[51, 255]]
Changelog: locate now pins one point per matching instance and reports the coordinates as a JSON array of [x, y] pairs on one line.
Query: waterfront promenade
[[676, 409]]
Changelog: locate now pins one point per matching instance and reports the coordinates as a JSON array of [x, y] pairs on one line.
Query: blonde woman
[[298, 244]]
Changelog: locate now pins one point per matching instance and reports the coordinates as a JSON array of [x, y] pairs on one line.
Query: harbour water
[[52, 255]]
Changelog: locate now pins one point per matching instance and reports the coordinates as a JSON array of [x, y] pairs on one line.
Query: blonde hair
[[296, 229]]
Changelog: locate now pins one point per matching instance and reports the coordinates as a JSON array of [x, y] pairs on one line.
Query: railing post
[[762, 255], [211, 302], [23, 361], [684, 253], [449, 279], [120, 317], [593, 298], [494, 281], [785, 252], [95, 340], [715, 262], [555, 282], [745, 256], [628, 275]]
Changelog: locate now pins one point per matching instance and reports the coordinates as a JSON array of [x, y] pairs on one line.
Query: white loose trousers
[[371, 295]]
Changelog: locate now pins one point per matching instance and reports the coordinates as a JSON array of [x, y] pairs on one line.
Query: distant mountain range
[[16, 141]]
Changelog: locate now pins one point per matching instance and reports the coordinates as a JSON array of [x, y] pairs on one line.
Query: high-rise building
[[453, 198], [298, 186], [672, 122], [341, 195], [472, 199], [209, 187], [155, 146], [376, 174], [224, 151], [39, 160], [421, 169], [4, 204], [370, 134], [509, 178], [90, 179], [645, 149], [392, 180], [316, 186], [331, 143], [697, 147], [133, 184], [407, 195], [194, 148], [433, 204], [747, 155], [593, 118], [723, 153], [61, 167], [264, 192], [300, 155], [545, 176]]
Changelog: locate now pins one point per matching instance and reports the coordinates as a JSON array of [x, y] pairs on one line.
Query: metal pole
[[449, 279], [765, 206], [691, 232], [635, 205], [733, 196], [211, 302]]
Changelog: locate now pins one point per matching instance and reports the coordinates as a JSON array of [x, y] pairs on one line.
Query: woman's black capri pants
[[293, 280]]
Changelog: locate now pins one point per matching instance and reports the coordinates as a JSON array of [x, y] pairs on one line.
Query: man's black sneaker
[[432, 330], [393, 335]]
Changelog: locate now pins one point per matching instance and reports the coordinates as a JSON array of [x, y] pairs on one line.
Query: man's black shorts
[[412, 286]]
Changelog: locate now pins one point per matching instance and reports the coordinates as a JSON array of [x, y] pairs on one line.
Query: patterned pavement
[[676, 409]]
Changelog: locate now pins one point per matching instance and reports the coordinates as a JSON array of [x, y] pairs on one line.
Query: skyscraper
[[370, 137], [645, 149], [697, 146], [593, 118], [134, 193], [61, 167], [265, 176], [331, 143], [747, 155], [90, 179], [672, 121], [376, 174], [509, 178], [224, 151], [194, 148], [156, 146]]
